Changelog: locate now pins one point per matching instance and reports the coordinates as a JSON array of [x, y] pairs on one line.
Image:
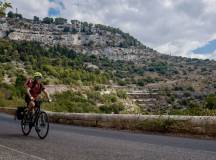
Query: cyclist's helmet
[[38, 75]]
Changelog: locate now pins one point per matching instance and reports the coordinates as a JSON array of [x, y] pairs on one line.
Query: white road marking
[[14, 150]]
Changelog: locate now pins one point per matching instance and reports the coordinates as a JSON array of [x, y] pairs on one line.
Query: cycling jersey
[[35, 88]]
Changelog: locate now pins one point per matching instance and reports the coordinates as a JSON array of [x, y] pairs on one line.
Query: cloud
[[204, 56], [40, 8], [31, 8], [176, 26]]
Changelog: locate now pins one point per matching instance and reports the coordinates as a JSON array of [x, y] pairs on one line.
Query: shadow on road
[[16, 136]]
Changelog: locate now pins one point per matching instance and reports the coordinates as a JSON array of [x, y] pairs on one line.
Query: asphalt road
[[82, 143]]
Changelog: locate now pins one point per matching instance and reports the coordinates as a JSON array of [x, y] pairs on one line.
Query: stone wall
[[189, 125]]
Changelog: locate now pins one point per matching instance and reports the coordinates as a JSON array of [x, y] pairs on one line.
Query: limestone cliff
[[83, 37]]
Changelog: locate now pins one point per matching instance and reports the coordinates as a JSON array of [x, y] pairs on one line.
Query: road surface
[[83, 143]]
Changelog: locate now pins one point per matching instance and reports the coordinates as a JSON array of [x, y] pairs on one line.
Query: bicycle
[[38, 119]]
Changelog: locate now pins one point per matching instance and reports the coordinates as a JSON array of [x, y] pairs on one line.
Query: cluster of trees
[[14, 15], [144, 81], [129, 40], [57, 21], [36, 19], [202, 106], [58, 59], [60, 63], [208, 108]]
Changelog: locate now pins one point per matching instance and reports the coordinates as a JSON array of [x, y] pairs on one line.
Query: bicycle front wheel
[[42, 125]]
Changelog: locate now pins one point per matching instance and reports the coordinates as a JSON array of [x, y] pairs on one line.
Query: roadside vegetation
[[185, 86], [60, 65]]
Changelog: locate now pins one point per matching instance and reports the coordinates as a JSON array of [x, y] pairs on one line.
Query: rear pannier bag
[[20, 112]]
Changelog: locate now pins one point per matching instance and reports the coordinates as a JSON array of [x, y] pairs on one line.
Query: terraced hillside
[[108, 60]]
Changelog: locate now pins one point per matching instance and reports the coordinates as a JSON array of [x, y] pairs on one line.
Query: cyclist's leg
[[30, 103], [37, 103], [37, 112], [29, 107]]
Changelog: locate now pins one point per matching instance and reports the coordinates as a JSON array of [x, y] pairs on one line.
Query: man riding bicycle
[[34, 89]]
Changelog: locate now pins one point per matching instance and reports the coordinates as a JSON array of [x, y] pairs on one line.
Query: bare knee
[[31, 105]]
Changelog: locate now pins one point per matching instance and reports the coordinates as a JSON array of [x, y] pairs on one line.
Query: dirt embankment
[[53, 89]]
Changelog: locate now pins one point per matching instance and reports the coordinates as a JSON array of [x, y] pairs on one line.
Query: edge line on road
[[14, 150]]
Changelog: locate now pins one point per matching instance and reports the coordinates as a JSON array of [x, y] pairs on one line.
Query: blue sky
[[210, 47], [59, 2], [180, 27], [56, 11], [53, 12]]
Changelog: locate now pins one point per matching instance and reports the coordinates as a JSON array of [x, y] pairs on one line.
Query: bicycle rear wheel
[[42, 125], [26, 124]]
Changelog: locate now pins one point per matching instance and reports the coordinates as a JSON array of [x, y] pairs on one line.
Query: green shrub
[[19, 85], [115, 108], [211, 101], [72, 102], [122, 94]]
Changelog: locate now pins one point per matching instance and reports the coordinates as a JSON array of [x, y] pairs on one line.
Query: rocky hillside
[[84, 53], [81, 36]]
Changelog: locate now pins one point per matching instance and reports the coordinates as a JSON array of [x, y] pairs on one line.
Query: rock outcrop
[[91, 40]]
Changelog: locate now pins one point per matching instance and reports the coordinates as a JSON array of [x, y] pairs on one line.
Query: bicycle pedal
[[37, 129], [32, 125]]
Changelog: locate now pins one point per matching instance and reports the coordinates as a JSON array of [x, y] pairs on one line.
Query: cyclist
[[34, 89]]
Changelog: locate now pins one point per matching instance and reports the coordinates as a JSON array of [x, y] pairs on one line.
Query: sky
[[177, 27]]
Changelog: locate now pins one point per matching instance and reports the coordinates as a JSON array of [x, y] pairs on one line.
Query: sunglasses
[[38, 78]]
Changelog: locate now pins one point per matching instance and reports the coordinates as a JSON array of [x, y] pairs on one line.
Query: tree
[[14, 15], [60, 20], [48, 20], [11, 15], [36, 19], [66, 29], [3, 7], [74, 31], [74, 22]]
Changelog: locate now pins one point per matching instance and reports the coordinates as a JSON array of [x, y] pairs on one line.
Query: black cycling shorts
[[28, 100]]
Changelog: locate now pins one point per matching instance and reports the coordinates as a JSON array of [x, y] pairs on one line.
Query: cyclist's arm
[[26, 85], [46, 94], [29, 94]]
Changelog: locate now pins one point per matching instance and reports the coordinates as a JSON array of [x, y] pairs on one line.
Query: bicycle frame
[[32, 121], [37, 111]]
